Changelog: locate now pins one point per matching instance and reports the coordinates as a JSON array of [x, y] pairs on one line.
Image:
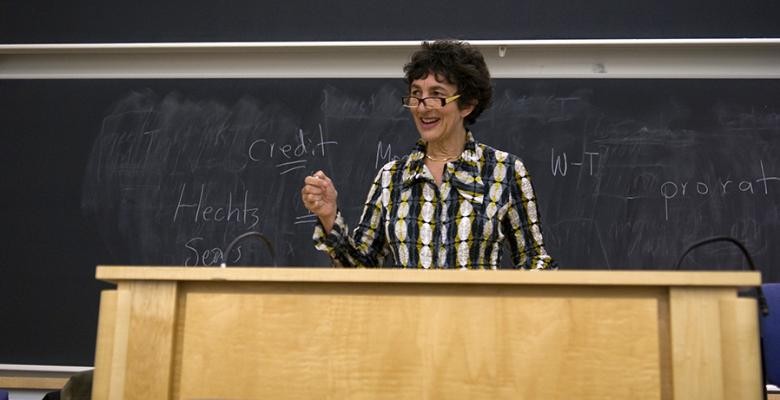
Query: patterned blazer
[[485, 199]]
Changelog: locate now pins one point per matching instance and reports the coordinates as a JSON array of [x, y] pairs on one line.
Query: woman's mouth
[[428, 121]]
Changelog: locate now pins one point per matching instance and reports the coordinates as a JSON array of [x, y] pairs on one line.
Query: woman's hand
[[319, 196]]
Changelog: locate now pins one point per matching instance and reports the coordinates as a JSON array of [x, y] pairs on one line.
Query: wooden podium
[[313, 333]]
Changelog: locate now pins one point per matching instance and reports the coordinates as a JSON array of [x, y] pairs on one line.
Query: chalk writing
[[203, 212], [207, 256], [261, 149], [751, 119], [561, 167], [384, 155], [702, 188]]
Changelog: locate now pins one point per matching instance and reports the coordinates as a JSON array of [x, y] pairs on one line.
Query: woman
[[452, 201]]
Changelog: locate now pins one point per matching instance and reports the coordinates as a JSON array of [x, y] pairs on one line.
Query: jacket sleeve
[[366, 247], [523, 225]]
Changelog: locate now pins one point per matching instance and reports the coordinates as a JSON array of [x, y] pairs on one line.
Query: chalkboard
[[167, 172], [24, 21]]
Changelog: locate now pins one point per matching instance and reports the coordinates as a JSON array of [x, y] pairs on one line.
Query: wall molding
[[629, 58]]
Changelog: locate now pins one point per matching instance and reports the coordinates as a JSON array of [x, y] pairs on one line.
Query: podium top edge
[[116, 274]]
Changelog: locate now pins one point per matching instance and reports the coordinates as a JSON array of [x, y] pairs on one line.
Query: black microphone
[[244, 236], [763, 307], [762, 304]]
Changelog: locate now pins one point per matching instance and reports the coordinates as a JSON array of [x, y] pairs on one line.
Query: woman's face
[[437, 125]]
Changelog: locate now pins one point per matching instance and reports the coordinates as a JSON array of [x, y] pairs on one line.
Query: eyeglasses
[[429, 102]]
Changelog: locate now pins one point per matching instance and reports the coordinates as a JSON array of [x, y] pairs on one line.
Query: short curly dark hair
[[461, 65]]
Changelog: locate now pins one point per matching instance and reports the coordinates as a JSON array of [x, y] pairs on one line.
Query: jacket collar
[[465, 171]]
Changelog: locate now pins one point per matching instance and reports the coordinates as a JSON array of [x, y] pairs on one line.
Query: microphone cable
[[762, 304], [763, 307], [243, 236]]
